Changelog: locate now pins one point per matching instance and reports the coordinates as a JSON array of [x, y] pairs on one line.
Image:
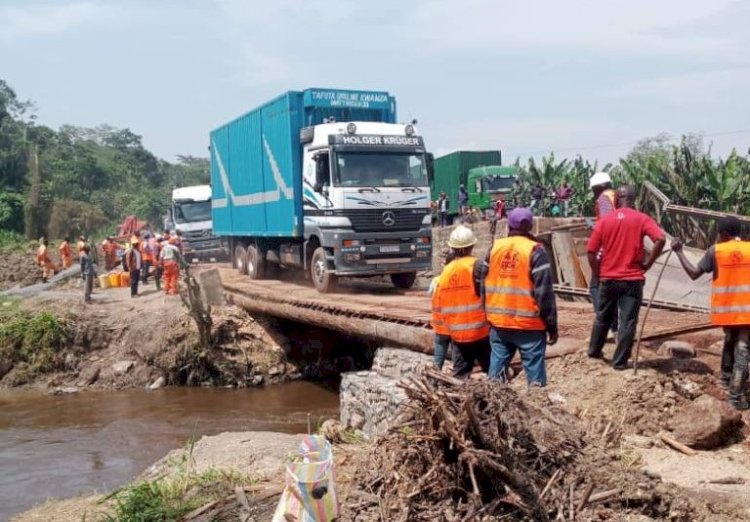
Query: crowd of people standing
[[486, 309], [145, 254]]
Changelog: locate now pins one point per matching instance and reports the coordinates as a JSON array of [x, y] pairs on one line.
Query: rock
[[678, 349], [688, 389], [637, 441], [275, 371], [122, 367], [70, 360], [90, 376], [332, 430], [257, 380], [67, 390], [705, 423], [556, 398], [158, 383], [211, 291]]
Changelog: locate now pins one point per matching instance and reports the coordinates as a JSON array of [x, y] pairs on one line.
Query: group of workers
[[162, 252], [44, 260], [144, 251], [487, 309]]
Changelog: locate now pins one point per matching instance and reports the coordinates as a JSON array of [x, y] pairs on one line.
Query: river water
[[61, 446]]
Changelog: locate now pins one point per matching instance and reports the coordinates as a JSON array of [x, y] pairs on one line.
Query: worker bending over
[[615, 254], [457, 306], [44, 261], [519, 300], [66, 254], [171, 259], [729, 262]]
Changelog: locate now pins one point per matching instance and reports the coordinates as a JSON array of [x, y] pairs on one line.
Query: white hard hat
[[599, 178], [461, 237]]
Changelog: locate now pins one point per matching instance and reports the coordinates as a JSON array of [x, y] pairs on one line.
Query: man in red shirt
[[620, 269]]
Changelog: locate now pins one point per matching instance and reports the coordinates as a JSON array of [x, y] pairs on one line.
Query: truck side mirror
[[430, 167]]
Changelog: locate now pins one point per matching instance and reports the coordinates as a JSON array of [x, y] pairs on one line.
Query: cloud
[[535, 136], [45, 19], [691, 89], [593, 26]]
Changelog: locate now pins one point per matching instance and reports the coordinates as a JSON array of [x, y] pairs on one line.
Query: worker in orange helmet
[[66, 254], [44, 261], [171, 259]]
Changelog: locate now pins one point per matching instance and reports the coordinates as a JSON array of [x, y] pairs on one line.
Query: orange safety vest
[[437, 322], [509, 289], [64, 249], [456, 303], [730, 296]]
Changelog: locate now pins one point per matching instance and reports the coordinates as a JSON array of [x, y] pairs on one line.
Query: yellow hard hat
[[462, 237]]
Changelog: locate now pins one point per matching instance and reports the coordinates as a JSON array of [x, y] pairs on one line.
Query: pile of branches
[[468, 450]]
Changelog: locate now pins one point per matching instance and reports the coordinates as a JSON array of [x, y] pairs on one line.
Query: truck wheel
[[404, 281], [323, 280], [240, 259], [256, 262]]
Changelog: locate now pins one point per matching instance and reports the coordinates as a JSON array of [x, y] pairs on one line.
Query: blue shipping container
[[256, 173]]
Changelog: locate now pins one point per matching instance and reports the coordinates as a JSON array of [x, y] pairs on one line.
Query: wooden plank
[[567, 259]]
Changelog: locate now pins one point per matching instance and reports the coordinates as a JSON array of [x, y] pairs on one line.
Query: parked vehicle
[[190, 213], [452, 170], [323, 180], [488, 184]]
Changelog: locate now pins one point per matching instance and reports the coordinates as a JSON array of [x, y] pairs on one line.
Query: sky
[[587, 77]]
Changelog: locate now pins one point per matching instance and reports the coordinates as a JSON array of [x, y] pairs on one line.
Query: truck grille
[[197, 235], [389, 220]]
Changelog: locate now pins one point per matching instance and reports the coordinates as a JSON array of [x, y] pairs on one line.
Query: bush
[[33, 339]]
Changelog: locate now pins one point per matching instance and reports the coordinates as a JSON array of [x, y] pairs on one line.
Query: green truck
[[479, 171], [487, 184]]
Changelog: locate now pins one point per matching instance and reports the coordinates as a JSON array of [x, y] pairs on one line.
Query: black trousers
[[144, 271], [614, 296], [465, 355], [135, 276]]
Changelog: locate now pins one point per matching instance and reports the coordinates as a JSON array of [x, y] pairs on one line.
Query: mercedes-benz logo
[[389, 218]]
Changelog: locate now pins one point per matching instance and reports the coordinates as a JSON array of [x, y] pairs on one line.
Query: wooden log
[[604, 495], [414, 338]]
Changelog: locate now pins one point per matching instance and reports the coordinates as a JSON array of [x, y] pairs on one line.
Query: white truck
[[190, 213]]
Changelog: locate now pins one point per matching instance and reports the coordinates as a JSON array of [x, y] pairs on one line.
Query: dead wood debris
[[478, 451]]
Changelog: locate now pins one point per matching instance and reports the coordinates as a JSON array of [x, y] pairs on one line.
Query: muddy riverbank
[[63, 446]]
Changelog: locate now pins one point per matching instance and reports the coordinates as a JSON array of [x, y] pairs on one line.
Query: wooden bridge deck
[[380, 312]]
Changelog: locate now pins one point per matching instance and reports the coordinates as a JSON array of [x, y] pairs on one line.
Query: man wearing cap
[[615, 254], [519, 300], [729, 263], [457, 310]]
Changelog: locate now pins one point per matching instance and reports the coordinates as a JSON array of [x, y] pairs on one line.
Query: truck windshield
[[192, 212], [498, 183], [371, 169]]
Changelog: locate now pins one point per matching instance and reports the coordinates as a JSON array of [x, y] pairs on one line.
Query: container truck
[[326, 181], [452, 170], [488, 184], [190, 213]]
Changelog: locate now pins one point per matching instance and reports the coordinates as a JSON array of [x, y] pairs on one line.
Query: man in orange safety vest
[[457, 309], [519, 300], [729, 262]]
